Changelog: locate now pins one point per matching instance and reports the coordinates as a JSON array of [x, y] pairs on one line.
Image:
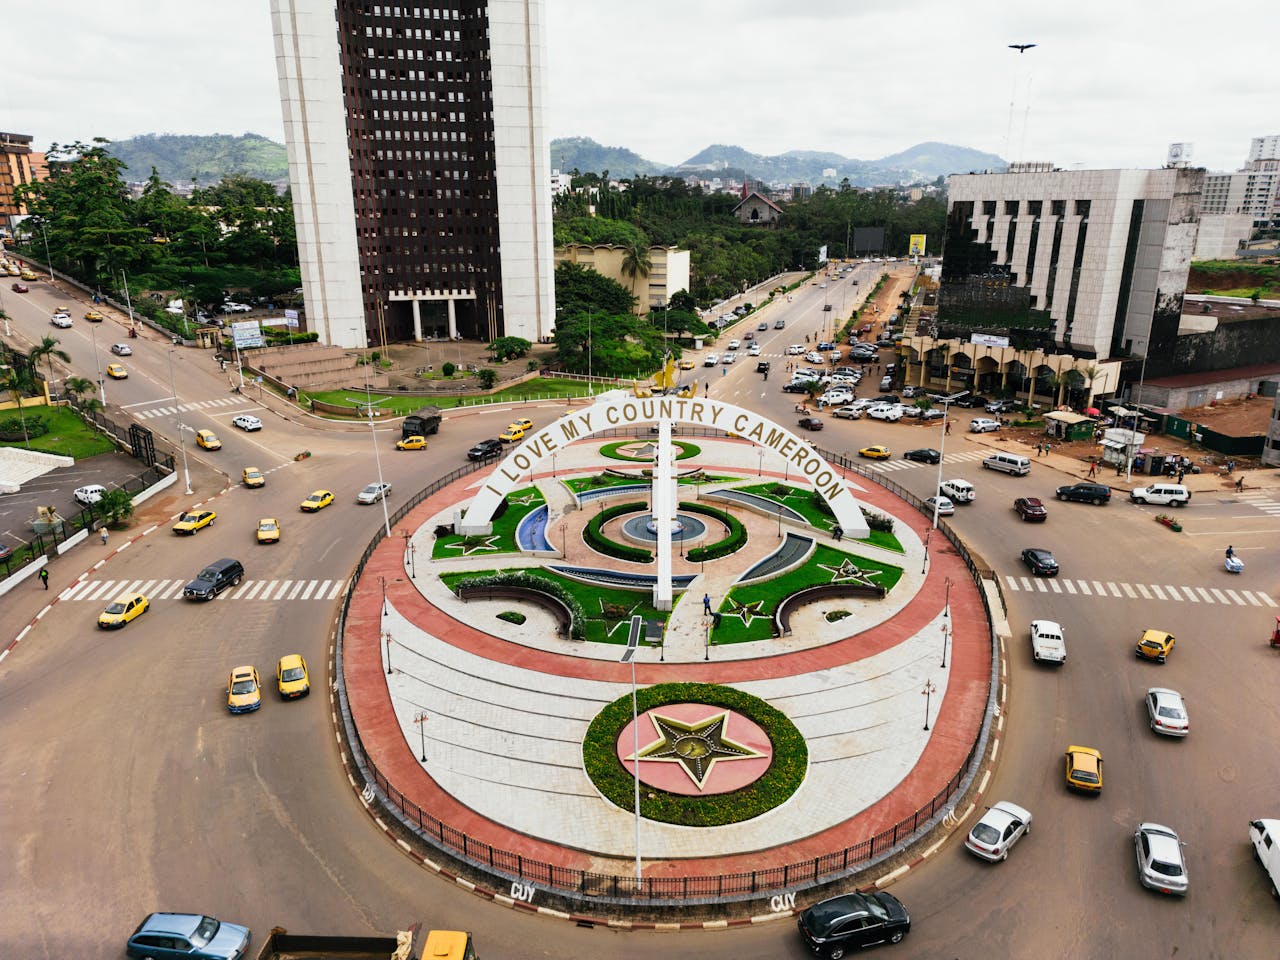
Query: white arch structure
[[624, 410]]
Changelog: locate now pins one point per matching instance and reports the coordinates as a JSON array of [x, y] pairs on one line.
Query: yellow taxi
[[28, 275], [1154, 645], [513, 434], [291, 677], [12, 270], [318, 500], [121, 610], [93, 316], [412, 443], [449, 945], [244, 690], [208, 439], [686, 364], [253, 477], [189, 523], [116, 371], [875, 453], [1084, 769], [521, 423], [268, 530]]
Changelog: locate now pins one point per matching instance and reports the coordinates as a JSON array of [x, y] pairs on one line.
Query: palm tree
[[49, 351], [636, 261], [13, 381], [77, 387]]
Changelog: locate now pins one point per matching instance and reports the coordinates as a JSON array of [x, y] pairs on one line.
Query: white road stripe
[[294, 593], [337, 588], [145, 589], [1237, 598], [1190, 595], [1053, 584], [324, 586], [1266, 599], [1143, 590], [1219, 594], [171, 591], [1039, 582], [133, 587], [1158, 592], [1129, 590], [1070, 585], [256, 585], [102, 587], [1173, 592], [1099, 589], [1205, 593], [1115, 591], [285, 585], [311, 585], [1084, 588]]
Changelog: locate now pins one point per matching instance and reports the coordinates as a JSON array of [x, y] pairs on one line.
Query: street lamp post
[[927, 692], [383, 581], [420, 718], [942, 449], [128, 300], [186, 473], [48, 259], [386, 638], [629, 655], [377, 457], [97, 362], [945, 638]]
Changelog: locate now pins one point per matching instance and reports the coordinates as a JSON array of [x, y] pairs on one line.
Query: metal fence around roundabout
[[582, 889]]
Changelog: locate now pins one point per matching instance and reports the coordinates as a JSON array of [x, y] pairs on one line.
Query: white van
[[1162, 494], [1008, 463], [886, 382], [960, 491], [1265, 835]]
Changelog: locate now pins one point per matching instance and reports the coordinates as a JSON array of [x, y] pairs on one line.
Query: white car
[[836, 398], [998, 830], [885, 411], [1265, 835], [246, 422], [835, 356], [60, 320], [1167, 712], [729, 358], [795, 350], [173, 310], [933, 413], [230, 306], [711, 360], [983, 425], [89, 494], [1161, 866], [910, 391], [734, 344], [847, 413], [754, 350], [1047, 643], [121, 350], [944, 506], [863, 405], [813, 356], [373, 493]]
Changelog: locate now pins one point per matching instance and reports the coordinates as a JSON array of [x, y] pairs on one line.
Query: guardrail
[[586, 888]]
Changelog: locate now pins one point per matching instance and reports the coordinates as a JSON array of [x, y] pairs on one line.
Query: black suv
[[972, 401], [834, 927], [1095, 493], [485, 449], [214, 578]]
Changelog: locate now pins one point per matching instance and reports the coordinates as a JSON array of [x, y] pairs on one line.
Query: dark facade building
[[418, 163]]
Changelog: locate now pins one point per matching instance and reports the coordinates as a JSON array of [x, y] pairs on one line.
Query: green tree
[[48, 350], [579, 290], [487, 377], [116, 506], [508, 348], [13, 382], [636, 262], [78, 387]]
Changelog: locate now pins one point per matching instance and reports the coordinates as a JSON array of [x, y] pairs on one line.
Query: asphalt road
[[126, 787]]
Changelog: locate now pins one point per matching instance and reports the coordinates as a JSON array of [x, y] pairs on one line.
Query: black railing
[[585, 887]]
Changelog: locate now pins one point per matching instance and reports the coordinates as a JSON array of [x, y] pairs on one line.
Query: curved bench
[[795, 548], [782, 616], [564, 617]]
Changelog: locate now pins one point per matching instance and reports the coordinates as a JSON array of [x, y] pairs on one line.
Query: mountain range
[[209, 158]]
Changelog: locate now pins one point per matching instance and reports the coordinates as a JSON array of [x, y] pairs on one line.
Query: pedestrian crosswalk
[[1113, 590], [153, 590], [1261, 500], [969, 456], [167, 411]]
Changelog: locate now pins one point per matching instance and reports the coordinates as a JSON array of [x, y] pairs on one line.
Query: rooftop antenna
[[1008, 133]]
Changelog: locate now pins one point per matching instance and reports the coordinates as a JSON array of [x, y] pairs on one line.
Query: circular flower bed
[[774, 787], [612, 450]]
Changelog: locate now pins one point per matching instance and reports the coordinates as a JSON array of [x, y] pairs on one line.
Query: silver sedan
[[1167, 713], [998, 830], [373, 493]]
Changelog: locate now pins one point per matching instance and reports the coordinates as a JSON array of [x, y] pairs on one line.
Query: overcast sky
[[1111, 83]]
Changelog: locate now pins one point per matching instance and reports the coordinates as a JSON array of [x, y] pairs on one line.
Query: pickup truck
[[1047, 645]]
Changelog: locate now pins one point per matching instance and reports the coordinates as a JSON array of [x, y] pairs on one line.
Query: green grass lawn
[[579, 484], [399, 404], [805, 502], [68, 435], [684, 448], [504, 530], [770, 593], [609, 611]]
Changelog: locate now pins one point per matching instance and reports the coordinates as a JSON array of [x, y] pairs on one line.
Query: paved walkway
[[505, 718]]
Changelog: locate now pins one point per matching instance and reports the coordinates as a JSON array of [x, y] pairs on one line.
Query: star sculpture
[[696, 746], [746, 612], [526, 500], [486, 543], [850, 572]]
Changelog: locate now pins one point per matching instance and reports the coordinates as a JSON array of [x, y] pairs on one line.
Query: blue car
[[188, 935]]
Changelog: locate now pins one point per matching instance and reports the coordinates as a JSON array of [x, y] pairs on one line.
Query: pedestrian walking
[[706, 604], [1240, 483], [1180, 474], [948, 428], [44, 577], [1047, 448], [1093, 469], [104, 536], [1039, 448], [838, 532], [723, 371]]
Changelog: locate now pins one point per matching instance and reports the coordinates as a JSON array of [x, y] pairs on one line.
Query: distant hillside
[[587, 156], [203, 158]]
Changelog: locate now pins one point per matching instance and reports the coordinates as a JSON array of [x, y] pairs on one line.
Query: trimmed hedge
[[519, 578], [713, 551], [779, 782], [611, 548], [610, 450]]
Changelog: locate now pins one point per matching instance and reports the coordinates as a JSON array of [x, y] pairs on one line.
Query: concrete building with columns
[[419, 164]]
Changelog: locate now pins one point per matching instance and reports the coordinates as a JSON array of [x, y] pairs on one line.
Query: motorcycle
[[1234, 564]]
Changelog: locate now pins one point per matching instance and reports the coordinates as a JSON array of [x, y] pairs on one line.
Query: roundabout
[[780, 727]]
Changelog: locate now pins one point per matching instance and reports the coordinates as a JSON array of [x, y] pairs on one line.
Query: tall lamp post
[[127, 299], [629, 656], [186, 473], [97, 362], [48, 259], [942, 449], [377, 458]]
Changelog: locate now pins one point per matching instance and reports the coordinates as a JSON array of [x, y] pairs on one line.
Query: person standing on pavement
[[1093, 469], [706, 604], [1047, 447], [44, 577], [104, 536]]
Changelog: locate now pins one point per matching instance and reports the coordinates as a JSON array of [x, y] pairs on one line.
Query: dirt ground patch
[[1237, 417]]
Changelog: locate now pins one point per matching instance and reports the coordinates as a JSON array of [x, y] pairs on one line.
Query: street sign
[[246, 333]]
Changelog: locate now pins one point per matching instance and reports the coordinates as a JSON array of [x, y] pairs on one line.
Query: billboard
[[246, 333], [868, 240], [822, 254], [988, 340], [917, 245]]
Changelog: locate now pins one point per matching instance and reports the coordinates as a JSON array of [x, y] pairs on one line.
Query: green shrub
[[11, 429], [447, 369], [611, 548], [736, 539], [521, 578], [779, 782], [834, 615], [512, 616], [878, 521], [487, 377]]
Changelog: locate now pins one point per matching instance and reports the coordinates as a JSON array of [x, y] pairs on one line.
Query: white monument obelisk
[[665, 503]]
